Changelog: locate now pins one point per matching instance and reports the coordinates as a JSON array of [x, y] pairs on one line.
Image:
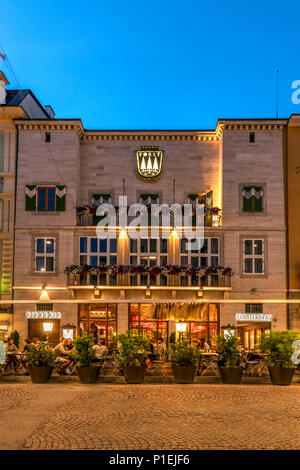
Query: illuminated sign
[[43, 315], [253, 317], [149, 161]]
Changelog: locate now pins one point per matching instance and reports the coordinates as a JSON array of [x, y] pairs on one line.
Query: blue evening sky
[[159, 64]]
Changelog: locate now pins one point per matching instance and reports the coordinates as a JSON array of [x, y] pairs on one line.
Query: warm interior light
[[48, 326], [181, 327]]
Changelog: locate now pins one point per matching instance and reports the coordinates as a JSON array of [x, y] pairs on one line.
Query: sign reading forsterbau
[[43, 315], [253, 317]]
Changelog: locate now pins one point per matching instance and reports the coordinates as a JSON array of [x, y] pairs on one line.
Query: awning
[[180, 311]]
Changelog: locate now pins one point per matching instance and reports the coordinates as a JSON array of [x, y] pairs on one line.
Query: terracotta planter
[[40, 374], [281, 375], [88, 375], [231, 375], [183, 374], [134, 374]]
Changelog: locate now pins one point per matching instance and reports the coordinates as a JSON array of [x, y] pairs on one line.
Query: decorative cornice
[[132, 136], [48, 125]]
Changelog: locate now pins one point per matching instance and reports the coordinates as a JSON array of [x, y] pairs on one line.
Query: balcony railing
[[162, 280]]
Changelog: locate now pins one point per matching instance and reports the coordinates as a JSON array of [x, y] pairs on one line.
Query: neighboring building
[[14, 104], [65, 171], [293, 217]]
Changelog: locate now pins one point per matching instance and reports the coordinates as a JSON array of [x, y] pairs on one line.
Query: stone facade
[[195, 162]]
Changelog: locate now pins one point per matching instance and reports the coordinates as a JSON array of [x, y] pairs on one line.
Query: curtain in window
[[252, 198]]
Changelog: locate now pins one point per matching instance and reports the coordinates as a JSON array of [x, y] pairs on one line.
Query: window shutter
[[30, 197], [209, 203], [60, 198]]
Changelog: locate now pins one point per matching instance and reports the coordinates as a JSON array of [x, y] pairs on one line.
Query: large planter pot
[[40, 374], [183, 374], [134, 374], [281, 375], [231, 375], [88, 375]]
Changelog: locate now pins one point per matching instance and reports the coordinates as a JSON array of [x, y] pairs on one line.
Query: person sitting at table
[[99, 349], [10, 350], [206, 346], [28, 345], [63, 358], [161, 349]]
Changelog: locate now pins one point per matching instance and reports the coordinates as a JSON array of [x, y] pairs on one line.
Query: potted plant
[[131, 355], [278, 345], [230, 370], [84, 356], [40, 363], [184, 359]]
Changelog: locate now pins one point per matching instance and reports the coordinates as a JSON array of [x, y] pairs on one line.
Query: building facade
[[14, 104], [67, 280]]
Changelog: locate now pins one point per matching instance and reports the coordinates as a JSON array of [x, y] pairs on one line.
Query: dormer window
[[149, 199], [101, 198]]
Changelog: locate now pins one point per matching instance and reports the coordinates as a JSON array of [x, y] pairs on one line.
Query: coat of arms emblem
[[149, 161]]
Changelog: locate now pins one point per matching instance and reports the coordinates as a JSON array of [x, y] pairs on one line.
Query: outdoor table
[[257, 365], [208, 363]]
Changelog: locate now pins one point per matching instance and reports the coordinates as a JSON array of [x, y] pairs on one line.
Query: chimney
[[50, 111], [3, 83]]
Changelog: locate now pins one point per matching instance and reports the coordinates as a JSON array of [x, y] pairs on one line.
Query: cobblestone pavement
[[198, 416]]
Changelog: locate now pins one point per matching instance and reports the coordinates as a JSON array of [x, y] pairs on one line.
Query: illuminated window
[[253, 256], [45, 254]]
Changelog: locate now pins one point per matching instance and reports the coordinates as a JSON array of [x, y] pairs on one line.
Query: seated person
[[100, 350], [10, 350], [63, 358]]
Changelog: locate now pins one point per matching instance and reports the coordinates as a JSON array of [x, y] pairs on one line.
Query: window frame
[[38, 188], [253, 256], [45, 255], [263, 212]]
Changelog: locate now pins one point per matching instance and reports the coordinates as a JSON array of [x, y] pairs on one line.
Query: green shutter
[[209, 203], [30, 197], [60, 198]]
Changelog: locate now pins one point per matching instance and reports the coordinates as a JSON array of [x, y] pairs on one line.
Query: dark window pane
[[50, 245], [214, 260], [83, 260], [113, 260], [248, 265], [195, 245], [40, 262], [51, 193], [94, 260], [163, 280], [204, 247], [215, 245], [163, 260], [40, 245], [133, 245], [49, 263], [153, 246], [163, 245], [184, 260], [94, 245], [51, 204], [258, 247], [144, 260], [133, 260], [113, 245], [41, 204], [103, 245], [42, 193], [183, 245], [248, 247], [83, 244], [258, 265], [102, 260], [194, 261], [144, 245]]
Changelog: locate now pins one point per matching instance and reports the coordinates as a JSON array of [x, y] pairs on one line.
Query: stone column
[[122, 323]]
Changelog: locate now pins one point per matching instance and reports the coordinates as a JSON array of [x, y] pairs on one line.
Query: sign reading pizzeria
[[43, 315], [149, 161], [253, 317]]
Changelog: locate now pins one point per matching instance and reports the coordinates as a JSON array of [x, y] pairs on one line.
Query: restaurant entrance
[[99, 320], [249, 334]]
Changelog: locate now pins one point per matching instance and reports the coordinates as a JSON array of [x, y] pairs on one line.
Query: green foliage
[[40, 356], [133, 349], [227, 348], [83, 353], [278, 346], [16, 337], [172, 338], [183, 354]]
